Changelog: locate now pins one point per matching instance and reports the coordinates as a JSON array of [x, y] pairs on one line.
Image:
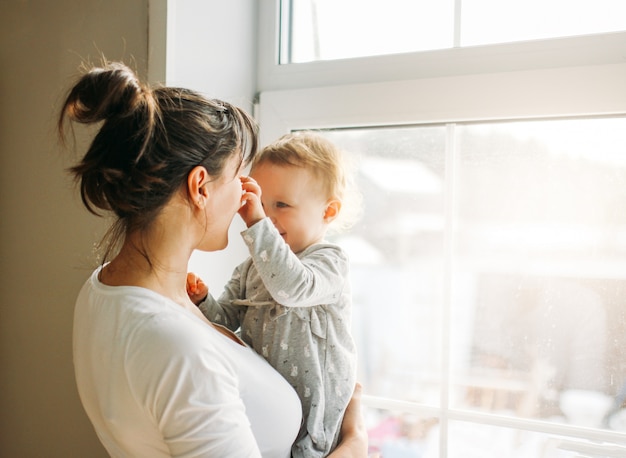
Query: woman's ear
[[196, 180], [333, 207]]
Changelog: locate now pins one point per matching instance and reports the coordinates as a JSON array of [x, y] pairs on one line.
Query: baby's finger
[[250, 198], [249, 185], [246, 179]]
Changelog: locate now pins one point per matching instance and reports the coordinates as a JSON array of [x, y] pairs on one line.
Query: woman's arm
[[353, 433]]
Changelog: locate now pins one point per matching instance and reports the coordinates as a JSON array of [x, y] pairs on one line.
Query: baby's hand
[[196, 288], [251, 210]]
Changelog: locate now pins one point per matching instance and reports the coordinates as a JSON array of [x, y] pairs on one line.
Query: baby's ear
[[333, 207]]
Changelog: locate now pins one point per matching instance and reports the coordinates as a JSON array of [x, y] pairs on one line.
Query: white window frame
[[592, 90], [597, 49], [569, 77]]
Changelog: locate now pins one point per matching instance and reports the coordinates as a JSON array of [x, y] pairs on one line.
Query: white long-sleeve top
[[156, 381]]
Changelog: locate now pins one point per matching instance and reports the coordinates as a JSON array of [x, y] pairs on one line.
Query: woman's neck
[[164, 275], [161, 267], [158, 260]]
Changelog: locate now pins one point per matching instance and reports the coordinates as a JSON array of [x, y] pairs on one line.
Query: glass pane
[[399, 434], [315, 30], [539, 323], [406, 435], [473, 440], [396, 254], [497, 21]]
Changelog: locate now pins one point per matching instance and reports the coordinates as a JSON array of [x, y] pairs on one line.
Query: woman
[[154, 376]]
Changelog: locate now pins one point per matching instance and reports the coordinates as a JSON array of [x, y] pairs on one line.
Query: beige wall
[[46, 237]]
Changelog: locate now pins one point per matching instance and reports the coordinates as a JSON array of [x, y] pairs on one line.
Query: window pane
[[317, 30], [472, 440], [497, 21], [399, 434], [539, 323], [406, 435], [396, 254], [335, 29]]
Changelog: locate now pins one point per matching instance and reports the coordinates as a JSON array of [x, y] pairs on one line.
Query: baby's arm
[[291, 282], [222, 311], [316, 278]]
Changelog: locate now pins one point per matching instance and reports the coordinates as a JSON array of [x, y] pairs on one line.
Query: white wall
[[212, 49]]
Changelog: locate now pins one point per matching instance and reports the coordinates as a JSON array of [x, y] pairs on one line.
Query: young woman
[[154, 376]]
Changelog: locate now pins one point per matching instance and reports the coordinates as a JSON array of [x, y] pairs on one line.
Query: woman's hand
[[353, 442], [251, 210]]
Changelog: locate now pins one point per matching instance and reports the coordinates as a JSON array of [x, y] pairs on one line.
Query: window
[[530, 290], [493, 21], [317, 30], [488, 265], [325, 30]]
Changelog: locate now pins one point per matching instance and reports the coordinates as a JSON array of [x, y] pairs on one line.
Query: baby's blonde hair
[[325, 160]]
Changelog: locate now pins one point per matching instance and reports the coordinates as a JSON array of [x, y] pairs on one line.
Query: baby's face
[[294, 200]]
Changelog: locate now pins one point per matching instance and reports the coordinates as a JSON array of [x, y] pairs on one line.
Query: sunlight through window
[[314, 30]]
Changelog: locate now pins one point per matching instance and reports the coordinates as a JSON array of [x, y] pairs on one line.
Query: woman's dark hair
[[149, 141]]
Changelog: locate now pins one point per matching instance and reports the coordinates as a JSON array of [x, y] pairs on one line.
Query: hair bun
[[104, 92]]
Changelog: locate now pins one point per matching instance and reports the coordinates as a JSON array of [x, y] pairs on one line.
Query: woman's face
[[223, 202]]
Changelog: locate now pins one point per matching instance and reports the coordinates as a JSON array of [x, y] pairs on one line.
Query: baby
[[291, 298]]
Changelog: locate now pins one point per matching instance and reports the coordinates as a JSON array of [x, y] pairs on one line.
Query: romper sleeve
[[317, 276], [223, 311], [189, 389]]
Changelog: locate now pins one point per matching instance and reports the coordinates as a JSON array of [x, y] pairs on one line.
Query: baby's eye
[[281, 205]]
